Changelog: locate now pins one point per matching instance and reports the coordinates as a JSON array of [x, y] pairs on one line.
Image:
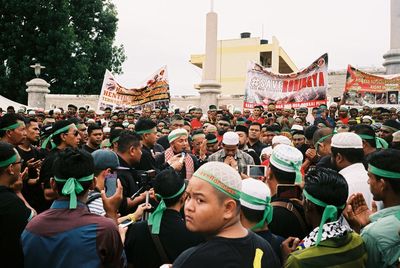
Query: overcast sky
[[161, 32]]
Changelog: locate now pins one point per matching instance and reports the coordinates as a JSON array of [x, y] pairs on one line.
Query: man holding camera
[[153, 242]]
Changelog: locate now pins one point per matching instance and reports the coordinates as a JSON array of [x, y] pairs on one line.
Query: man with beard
[[322, 144], [387, 129], [176, 157], [222, 127], [95, 137], [242, 132]]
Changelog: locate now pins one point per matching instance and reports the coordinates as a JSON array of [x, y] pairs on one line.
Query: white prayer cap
[[280, 139], [222, 177], [32, 112], [230, 138], [267, 151], [175, 134], [333, 104], [57, 111], [347, 140], [367, 117], [296, 127], [396, 136], [286, 158], [91, 121], [257, 189], [106, 129]]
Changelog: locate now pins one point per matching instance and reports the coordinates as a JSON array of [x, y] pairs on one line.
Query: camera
[[146, 179]]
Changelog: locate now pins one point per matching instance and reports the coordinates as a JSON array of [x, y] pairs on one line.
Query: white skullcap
[[396, 136], [211, 128], [347, 140], [280, 139], [31, 113], [106, 129], [367, 117], [267, 151], [177, 133], [297, 127], [91, 121], [333, 104], [222, 177], [286, 158], [230, 138], [57, 111], [254, 188]]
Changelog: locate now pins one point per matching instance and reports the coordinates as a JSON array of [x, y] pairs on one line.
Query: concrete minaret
[[209, 87], [392, 57]]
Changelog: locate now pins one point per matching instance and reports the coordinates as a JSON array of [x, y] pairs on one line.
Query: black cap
[[241, 128]]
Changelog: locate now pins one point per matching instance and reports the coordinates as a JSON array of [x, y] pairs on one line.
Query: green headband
[[330, 212], [72, 187], [316, 145], [155, 217], [212, 141], [146, 131], [50, 137], [233, 193], [268, 211], [115, 140], [380, 143], [296, 166], [9, 161], [198, 136], [13, 126], [383, 173], [176, 136]]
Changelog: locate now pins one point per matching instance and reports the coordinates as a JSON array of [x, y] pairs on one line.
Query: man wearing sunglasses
[[64, 135]]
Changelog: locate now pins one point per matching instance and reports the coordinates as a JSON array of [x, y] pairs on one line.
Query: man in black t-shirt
[[14, 214], [166, 223], [212, 207]]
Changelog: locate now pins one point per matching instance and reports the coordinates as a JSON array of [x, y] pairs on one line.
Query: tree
[[72, 38]]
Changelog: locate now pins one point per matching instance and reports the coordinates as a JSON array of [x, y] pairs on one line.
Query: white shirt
[[357, 179]]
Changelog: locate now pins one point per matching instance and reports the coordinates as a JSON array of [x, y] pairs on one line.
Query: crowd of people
[[162, 188]]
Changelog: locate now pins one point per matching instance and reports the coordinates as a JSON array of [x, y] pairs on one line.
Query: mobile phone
[[182, 157], [125, 223], [289, 191], [110, 184], [256, 171]]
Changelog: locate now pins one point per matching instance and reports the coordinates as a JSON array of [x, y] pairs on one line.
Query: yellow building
[[233, 56]]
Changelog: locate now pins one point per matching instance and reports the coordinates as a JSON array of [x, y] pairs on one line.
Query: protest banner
[[362, 88], [306, 88], [153, 92]]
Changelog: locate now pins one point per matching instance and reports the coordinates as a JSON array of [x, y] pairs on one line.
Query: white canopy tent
[[4, 103]]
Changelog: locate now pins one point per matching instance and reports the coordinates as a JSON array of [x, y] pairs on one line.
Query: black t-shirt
[[229, 252], [258, 147], [147, 161], [285, 223], [130, 182], [163, 141], [14, 216], [274, 240], [33, 193], [175, 238], [325, 162], [88, 149]]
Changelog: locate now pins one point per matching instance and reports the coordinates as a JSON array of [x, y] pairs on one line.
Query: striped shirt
[[96, 206]]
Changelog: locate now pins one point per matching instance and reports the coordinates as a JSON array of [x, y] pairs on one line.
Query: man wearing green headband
[[14, 214], [176, 122], [68, 233], [285, 168], [322, 143], [164, 224], [12, 129], [380, 230], [331, 243], [256, 212], [64, 135], [212, 208], [147, 131]]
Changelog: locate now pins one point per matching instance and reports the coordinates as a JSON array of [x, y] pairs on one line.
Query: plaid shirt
[[243, 159]]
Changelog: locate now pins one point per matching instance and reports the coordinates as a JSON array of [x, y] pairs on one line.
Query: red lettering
[[314, 78], [309, 81], [285, 86], [321, 81]]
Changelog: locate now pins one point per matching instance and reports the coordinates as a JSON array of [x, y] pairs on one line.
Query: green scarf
[[72, 187]]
